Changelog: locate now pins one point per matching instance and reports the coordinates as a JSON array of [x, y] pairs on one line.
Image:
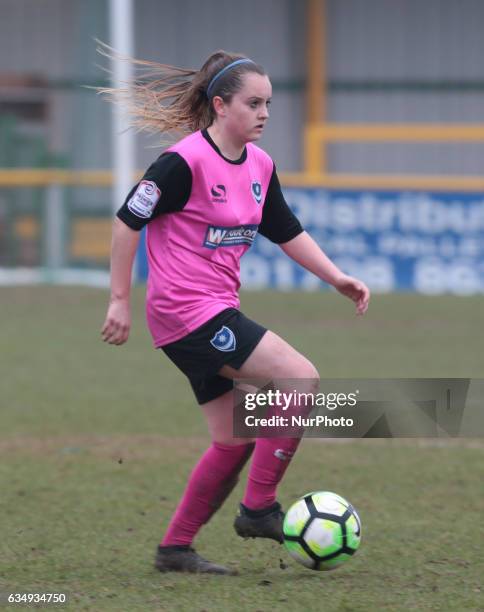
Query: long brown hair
[[166, 99]]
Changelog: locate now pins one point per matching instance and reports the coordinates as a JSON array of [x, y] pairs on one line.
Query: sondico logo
[[219, 236], [219, 194], [283, 455]]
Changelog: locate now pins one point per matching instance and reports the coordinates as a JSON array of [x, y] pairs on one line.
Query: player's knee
[[307, 387], [308, 377]]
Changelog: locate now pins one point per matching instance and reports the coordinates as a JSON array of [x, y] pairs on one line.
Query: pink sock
[[271, 459], [210, 483], [269, 462]]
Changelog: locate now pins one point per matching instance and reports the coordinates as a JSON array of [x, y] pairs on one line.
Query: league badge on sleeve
[[257, 191], [144, 199]]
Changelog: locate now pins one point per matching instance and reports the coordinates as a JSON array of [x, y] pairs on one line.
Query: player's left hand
[[356, 290]]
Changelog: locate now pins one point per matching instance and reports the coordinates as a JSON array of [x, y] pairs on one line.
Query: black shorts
[[226, 339]]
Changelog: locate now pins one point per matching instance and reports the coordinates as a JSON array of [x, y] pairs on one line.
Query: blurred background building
[[385, 99]]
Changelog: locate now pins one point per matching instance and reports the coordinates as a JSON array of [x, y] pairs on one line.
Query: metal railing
[[318, 136]]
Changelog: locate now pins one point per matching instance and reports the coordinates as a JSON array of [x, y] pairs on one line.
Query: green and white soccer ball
[[322, 530]]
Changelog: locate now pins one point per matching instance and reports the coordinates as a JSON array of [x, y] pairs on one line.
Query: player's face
[[248, 111]]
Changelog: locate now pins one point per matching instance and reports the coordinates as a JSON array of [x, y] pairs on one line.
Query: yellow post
[[315, 160]]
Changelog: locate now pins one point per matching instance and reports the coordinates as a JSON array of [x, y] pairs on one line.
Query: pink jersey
[[194, 254]]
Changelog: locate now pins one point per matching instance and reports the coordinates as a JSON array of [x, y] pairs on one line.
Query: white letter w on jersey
[[216, 234]]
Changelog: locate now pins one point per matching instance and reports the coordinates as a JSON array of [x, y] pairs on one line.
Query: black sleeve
[[165, 187], [279, 224]]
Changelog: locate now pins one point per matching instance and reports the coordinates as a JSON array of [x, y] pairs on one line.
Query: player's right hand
[[118, 322]]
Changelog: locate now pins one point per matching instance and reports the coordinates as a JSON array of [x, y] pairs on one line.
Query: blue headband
[[224, 70]]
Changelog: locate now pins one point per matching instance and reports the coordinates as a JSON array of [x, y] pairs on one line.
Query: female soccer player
[[203, 201]]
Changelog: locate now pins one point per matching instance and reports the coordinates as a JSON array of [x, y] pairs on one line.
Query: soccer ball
[[322, 530]]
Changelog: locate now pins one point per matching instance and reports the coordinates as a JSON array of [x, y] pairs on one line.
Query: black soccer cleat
[[185, 559], [265, 523]]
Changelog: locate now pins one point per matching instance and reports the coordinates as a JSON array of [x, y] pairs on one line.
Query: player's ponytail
[[164, 99]]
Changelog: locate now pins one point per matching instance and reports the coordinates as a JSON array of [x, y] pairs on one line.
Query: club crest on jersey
[[219, 194], [224, 340], [257, 191]]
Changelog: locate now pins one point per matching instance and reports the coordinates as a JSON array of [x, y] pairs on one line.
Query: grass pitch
[[96, 443]]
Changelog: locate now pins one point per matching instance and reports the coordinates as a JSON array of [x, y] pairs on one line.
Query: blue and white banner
[[430, 243], [425, 242]]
